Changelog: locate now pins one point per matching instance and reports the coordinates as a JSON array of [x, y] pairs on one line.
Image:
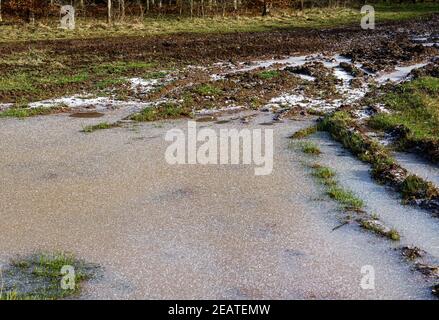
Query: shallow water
[[419, 166], [417, 227], [187, 231], [400, 73]]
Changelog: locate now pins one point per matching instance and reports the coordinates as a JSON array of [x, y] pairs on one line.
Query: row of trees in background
[[118, 9]]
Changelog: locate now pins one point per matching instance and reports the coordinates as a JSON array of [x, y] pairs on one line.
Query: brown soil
[[68, 57], [210, 47]]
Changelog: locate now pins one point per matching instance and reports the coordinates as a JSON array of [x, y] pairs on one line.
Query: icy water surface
[[417, 227], [186, 231], [419, 166]]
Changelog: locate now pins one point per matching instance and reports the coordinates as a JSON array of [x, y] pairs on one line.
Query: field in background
[[309, 18]]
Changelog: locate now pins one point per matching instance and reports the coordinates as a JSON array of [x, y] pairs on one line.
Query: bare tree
[[108, 11], [122, 9], [266, 8]]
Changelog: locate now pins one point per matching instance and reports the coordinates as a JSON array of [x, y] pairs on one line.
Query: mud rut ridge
[[279, 110]]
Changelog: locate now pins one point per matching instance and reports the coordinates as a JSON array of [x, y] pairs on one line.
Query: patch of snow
[[98, 104], [305, 77], [303, 102], [217, 77], [5, 106], [140, 85], [399, 74], [293, 61]]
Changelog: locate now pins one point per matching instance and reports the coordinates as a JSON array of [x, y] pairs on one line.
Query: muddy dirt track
[[209, 47]]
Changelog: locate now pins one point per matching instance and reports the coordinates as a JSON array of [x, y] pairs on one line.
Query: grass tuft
[[25, 111], [309, 147], [269, 74], [414, 187], [165, 111], [99, 126], [380, 229], [346, 198], [207, 90], [39, 277], [326, 176], [304, 132]]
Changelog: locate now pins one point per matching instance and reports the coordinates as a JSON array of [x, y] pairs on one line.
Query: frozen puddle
[[98, 104], [400, 73], [287, 62], [252, 237], [416, 226], [104, 103], [303, 102], [418, 166]]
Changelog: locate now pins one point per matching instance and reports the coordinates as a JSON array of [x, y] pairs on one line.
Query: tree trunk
[[1, 19], [122, 10], [266, 8], [108, 11]]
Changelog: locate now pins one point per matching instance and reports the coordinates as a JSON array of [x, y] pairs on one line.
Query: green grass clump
[[166, 111], [349, 201], [326, 176], [99, 126], [25, 112], [67, 79], [346, 198], [304, 132], [103, 84], [17, 82], [309, 147], [415, 107], [155, 75], [414, 187], [269, 74], [377, 228], [340, 125], [120, 67], [207, 90], [384, 168], [39, 277]]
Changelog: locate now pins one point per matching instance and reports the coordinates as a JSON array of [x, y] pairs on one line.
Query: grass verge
[[47, 29], [26, 112], [414, 116]]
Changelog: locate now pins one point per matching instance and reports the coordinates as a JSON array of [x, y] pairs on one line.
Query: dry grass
[[310, 18]]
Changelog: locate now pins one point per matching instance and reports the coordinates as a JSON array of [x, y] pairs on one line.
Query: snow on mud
[[351, 87], [400, 73]]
